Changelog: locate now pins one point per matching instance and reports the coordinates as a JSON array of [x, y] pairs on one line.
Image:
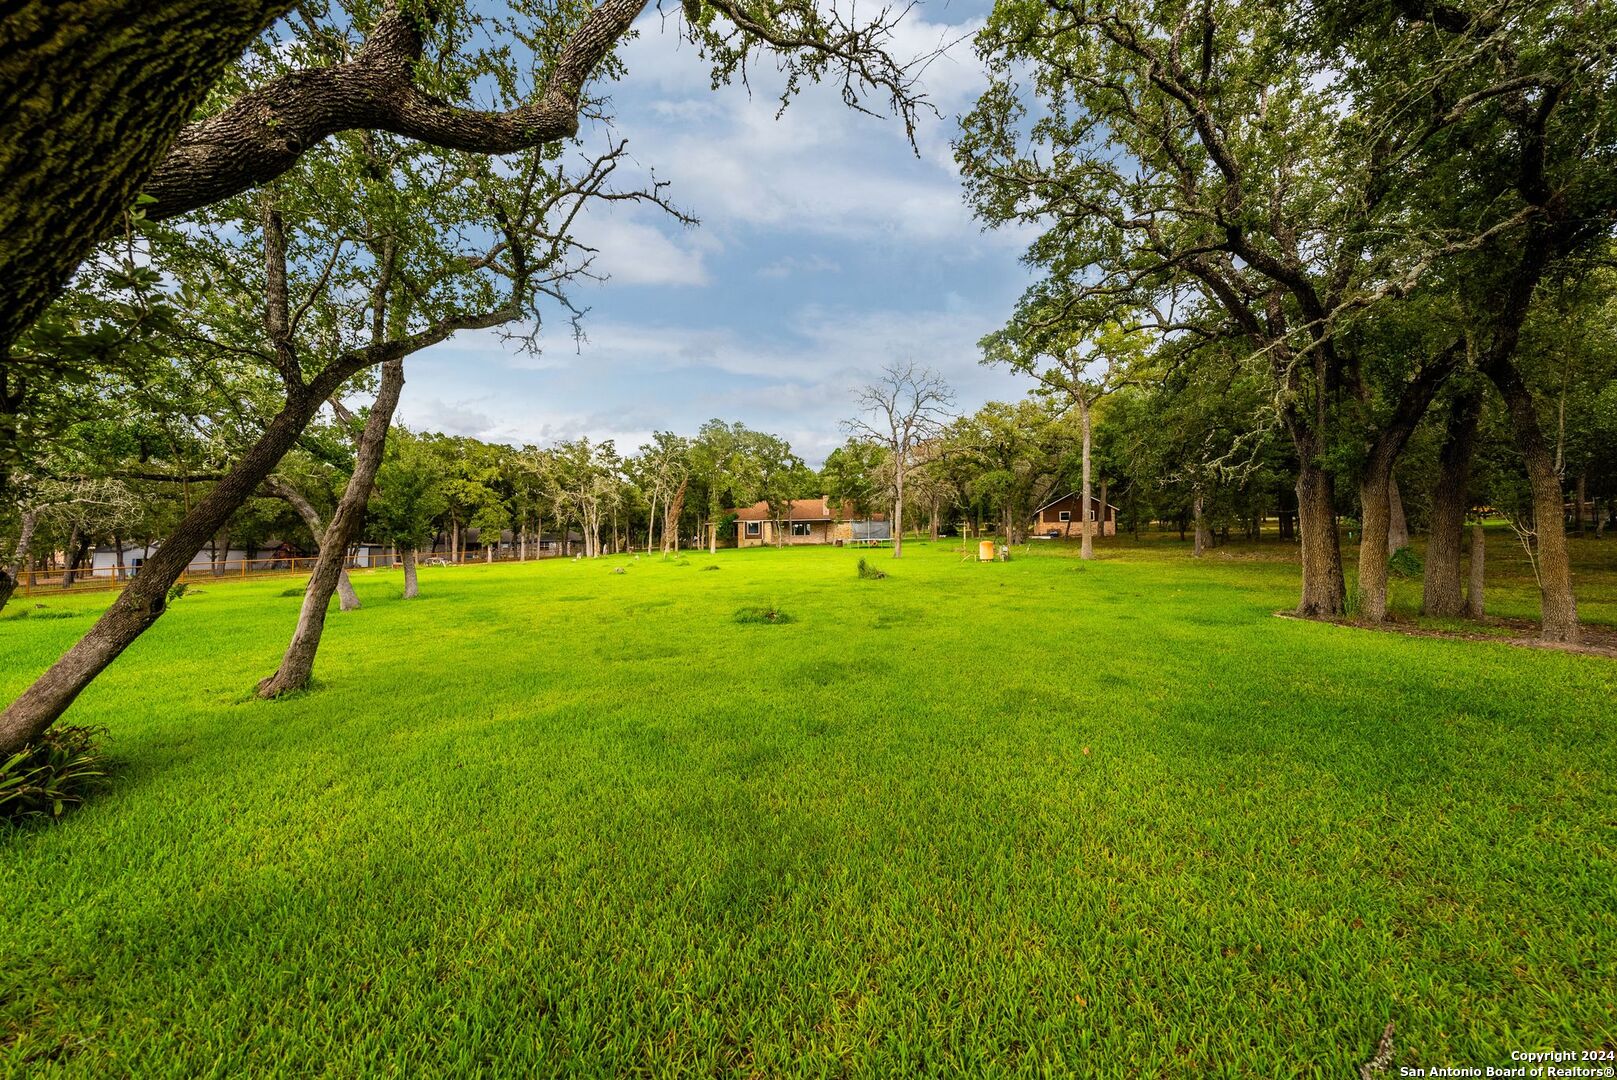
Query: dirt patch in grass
[[1597, 640]]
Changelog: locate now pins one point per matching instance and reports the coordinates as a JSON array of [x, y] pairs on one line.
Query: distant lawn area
[[1041, 817]]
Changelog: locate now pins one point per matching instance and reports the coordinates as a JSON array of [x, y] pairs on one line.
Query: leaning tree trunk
[[298, 663], [347, 599], [11, 573], [1479, 552], [412, 588], [1323, 588], [1558, 607], [142, 602], [1440, 589]]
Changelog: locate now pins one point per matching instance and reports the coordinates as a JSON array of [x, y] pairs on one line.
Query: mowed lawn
[[1041, 817]]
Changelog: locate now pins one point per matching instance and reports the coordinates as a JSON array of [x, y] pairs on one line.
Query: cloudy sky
[[826, 248]]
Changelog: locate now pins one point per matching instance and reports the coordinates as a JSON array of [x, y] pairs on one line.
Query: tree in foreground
[[101, 98]]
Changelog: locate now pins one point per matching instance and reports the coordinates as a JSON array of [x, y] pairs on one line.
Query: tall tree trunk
[[221, 552], [1199, 547], [1377, 488], [1397, 523], [71, 565], [454, 540], [1323, 589], [1086, 547], [1375, 510], [1440, 590], [1557, 606], [898, 505], [11, 573], [347, 599], [411, 588], [1583, 494], [298, 662], [936, 509], [1474, 607], [140, 605]]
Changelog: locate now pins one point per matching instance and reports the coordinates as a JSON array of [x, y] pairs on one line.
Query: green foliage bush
[[177, 590], [52, 775], [40, 611], [868, 572], [1404, 563], [770, 614]]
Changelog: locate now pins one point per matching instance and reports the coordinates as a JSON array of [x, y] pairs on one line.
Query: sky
[[826, 248]]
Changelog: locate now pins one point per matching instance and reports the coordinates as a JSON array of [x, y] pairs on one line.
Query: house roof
[[804, 510], [1070, 495]]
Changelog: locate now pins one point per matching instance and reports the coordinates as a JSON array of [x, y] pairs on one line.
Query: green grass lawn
[[1033, 818]]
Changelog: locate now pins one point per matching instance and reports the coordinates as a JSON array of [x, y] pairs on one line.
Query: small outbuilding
[[1063, 517]]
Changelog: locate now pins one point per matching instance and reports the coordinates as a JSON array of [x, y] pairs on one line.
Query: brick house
[[808, 521]]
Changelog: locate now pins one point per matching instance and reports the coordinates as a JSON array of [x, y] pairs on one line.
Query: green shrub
[[868, 572], [770, 614], [1404, 563], [177, 590], [52, 775], [40, 611]]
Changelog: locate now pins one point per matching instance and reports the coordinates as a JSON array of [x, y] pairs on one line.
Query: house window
[[802, 528], [754, 528], [1065, 515], [1091, 513]]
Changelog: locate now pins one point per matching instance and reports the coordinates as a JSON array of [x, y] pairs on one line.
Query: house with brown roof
[[1063, 517], [808, 521]]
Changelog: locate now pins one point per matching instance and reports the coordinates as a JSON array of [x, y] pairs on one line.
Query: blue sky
[[826, 248]]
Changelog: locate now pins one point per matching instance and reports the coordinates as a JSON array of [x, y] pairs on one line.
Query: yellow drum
[[985, 551]]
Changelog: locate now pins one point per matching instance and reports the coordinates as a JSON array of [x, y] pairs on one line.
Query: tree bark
[[93, 93], [347, 599], [411, 588], [1199, 545], [1583, 494], [1558, 607], [1440, 590], [297, 665], [1377, 487], [898, 504], [1397, 523], [142, 602], [221, 552], [1474, 607], [1323, 590], [70, 568]]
